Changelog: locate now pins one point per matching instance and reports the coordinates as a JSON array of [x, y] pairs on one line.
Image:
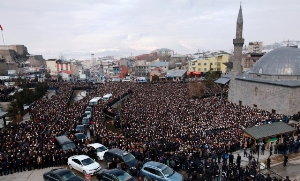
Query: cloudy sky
[[78, 28]]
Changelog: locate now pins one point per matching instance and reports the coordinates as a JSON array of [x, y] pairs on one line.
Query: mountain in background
[[281, 44]]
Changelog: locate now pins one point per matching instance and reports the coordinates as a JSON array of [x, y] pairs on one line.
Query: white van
[[106, 97], [94, 101]]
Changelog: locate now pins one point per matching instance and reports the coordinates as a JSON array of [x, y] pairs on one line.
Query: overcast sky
[[78, 28]]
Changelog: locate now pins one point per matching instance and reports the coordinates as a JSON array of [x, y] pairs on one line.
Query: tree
[[12, 109], [155, 78], [48, 76], [59, 77], [210, 78], [196, 89]]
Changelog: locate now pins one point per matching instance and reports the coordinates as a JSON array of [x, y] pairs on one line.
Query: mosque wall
[[284, 100]]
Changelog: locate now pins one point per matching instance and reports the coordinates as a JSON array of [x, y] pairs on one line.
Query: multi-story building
[[162, 52], [163, 66], [250, 59], [255, 47], [212, 62], [55, 66], [142, 70]]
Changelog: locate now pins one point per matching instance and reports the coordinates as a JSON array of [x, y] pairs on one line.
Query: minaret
[[238, 43]]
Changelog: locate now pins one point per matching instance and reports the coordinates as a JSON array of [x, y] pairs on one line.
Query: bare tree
[[196, 89]]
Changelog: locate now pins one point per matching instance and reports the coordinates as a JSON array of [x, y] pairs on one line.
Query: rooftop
[[269, 130]]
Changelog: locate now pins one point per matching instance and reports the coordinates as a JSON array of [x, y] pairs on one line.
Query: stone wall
[[21, 50], [8, 55], [284, 100]]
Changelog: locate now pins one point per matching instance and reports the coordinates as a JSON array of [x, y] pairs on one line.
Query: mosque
[[273, 84]]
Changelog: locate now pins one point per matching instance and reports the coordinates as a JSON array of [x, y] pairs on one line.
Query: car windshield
[[168, 171], [101, 148], [67, 176], [125, 176], [87, 161], [80, 136], [68, 146], [128, 157], [85, 121], [79, 128]]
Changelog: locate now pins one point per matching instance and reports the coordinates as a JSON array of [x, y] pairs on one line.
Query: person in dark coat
[[268, 163], [9, 167], [231, 159], [285, 160], [238, 160], [1, 167]]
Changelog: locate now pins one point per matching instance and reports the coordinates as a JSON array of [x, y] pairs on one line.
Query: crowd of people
[[159, 122], [5, 92]]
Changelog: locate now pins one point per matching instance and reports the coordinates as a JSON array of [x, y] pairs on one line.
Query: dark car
[[86, 121], [80, 128], [89, 108], [80, 136], [114, 175], [129, 160], [61, 174]]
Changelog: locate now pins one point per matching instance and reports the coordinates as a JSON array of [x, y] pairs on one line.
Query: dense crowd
[[159, 122], [5, 93]]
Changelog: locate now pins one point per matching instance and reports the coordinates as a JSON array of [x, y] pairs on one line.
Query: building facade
[[210, 63], [255, 47], [273, 84]]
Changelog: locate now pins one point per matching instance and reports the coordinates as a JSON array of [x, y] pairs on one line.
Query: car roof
[[81, 125], [117, 151], [95, 145], [116, 172], [80, 157], [60, 171], [154, 165], [79, 134]]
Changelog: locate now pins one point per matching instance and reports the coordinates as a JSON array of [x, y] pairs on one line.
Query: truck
[[126, 79]]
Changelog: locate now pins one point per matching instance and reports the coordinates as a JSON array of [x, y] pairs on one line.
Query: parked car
[[86, 121], [84, 164], [89, 108], [123, 156], [61, 174], [88, 114], [80, 128], [100, 150], [114, 175], [80, 136], [160, 172]]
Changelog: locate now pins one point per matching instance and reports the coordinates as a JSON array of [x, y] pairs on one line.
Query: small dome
[[280, 61]]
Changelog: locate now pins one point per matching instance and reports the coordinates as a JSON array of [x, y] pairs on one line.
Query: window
[[255, 106], [240, 103], [199, 63], [204, 69], [199, 69], [211, 63], [273, 111], [204, 64], [151, 170], [158, 173]]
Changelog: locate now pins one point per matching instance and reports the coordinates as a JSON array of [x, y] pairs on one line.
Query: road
[[37, 175]]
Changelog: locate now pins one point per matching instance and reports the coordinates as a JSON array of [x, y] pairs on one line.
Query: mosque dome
[[280, 61]]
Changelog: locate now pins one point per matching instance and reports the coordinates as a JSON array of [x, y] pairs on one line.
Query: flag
[[1, 28]]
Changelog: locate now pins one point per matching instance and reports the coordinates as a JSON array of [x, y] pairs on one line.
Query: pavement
[[292, 170]]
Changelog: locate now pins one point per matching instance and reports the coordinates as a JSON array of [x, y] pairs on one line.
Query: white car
[[84, 164], [100, 150]]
